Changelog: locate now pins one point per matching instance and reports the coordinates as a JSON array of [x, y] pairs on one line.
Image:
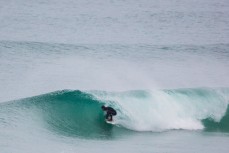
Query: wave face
[[79, 114], [69, 113]]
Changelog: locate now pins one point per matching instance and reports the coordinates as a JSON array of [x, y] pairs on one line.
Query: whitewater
[[162, 65]]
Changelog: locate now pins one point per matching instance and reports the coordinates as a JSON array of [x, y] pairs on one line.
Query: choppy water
[[162, 65]]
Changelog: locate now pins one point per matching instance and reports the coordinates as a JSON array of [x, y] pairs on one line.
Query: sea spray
[[167, 109]]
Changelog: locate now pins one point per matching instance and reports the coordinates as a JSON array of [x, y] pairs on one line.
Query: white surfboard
[[110, 122]]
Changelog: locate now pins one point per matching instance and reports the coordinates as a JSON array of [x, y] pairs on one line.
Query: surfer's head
[[103, 107]]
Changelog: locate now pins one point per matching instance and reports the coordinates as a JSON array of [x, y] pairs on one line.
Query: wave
[[78, 113], [70, 113]]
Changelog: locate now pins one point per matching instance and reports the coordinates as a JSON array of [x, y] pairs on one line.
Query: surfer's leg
[[110, 117], [107, 116]]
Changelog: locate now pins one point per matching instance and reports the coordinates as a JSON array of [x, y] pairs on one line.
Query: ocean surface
[[163, 65]]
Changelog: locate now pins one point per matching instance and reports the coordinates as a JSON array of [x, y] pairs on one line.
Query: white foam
[[160, 111]]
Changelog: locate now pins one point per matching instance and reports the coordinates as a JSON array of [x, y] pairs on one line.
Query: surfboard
[[110, 122]]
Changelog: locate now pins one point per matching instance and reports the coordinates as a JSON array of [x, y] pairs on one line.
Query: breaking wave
[[78, 113]]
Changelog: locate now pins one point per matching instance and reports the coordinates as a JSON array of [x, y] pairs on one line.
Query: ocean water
[[163, 65]]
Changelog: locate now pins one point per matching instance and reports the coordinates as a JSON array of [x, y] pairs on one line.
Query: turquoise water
[[163, 65]]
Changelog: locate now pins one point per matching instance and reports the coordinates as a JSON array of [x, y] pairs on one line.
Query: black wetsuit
[[110, 112]]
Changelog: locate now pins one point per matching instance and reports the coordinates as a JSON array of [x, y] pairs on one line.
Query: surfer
[[110, 113]]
